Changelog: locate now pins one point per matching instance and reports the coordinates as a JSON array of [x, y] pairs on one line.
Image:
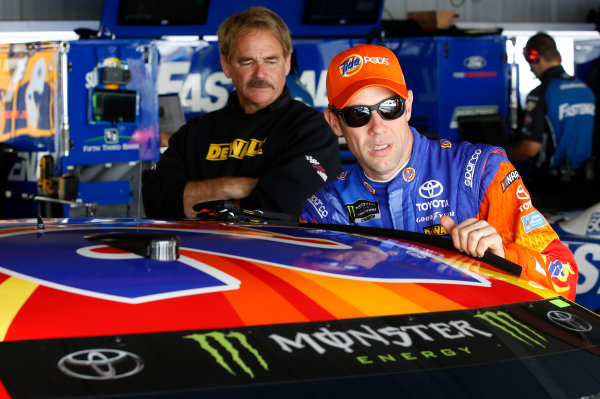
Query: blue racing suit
[[559, 114], [461, 180]]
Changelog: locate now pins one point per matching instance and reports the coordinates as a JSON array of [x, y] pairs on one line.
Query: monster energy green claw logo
[[351, 212], [513, 327], [224, 340]]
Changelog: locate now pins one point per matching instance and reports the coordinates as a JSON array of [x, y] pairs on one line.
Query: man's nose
[[377, 123], [260, 70]]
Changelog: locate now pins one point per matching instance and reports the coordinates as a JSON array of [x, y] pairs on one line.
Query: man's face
[[258, 69], [381, 147], [535, 68], [354, 261]]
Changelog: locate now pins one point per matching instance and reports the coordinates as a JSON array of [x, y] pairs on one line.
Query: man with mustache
[[263, 150]]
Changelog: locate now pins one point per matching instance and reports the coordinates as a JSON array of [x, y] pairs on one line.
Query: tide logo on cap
[[351, 65]]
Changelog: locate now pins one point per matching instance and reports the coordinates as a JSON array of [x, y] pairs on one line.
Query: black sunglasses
[[359, 115]]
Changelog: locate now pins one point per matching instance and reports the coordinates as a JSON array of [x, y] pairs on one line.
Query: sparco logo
[[471, 168], [431, 189], [100, 364], [227, 343], [318, 205]]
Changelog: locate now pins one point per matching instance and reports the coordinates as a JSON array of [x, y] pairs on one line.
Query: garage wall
[[541, 11], [537, 11], [33, 10]]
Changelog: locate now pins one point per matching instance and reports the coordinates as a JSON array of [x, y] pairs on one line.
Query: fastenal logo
[[351, 65], [215, 343], [100, 364], [513, 327], [431, 189]]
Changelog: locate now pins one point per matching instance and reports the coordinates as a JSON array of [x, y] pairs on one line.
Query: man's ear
[[334, 122], [225, 67], [408, 104], [288, 64]]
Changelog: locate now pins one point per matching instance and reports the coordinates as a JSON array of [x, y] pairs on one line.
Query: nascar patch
[[509, 179]]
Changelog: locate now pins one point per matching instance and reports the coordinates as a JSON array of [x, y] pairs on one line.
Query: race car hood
[[64, 283]]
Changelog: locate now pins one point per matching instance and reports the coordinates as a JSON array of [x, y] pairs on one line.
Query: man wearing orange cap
[[406, 181]]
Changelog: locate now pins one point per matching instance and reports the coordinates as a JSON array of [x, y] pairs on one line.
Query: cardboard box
[[433, 20]]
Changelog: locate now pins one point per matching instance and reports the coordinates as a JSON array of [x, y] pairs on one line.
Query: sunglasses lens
[[356, 116], [391, 108], [360, 115]]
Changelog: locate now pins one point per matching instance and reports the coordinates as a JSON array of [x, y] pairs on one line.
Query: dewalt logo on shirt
[[238, 148]]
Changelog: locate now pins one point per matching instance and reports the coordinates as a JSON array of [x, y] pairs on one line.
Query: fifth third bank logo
[[230, 350]]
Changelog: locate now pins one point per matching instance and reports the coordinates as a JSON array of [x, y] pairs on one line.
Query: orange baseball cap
[[363, 66]]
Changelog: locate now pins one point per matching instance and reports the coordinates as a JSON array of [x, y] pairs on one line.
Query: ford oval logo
[[475, 62]]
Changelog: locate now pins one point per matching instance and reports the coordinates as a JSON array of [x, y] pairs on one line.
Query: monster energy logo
[[225, 342], [362, 211], [513, 327]]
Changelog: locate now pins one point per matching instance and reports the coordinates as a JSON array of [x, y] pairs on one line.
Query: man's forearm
[[523, 150], [221, 188]]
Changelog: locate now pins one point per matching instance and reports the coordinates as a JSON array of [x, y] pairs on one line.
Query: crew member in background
[[557, 130], [406, 181], [264, 150]]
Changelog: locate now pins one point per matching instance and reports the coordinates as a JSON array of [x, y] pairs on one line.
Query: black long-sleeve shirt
[[287, 145]]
